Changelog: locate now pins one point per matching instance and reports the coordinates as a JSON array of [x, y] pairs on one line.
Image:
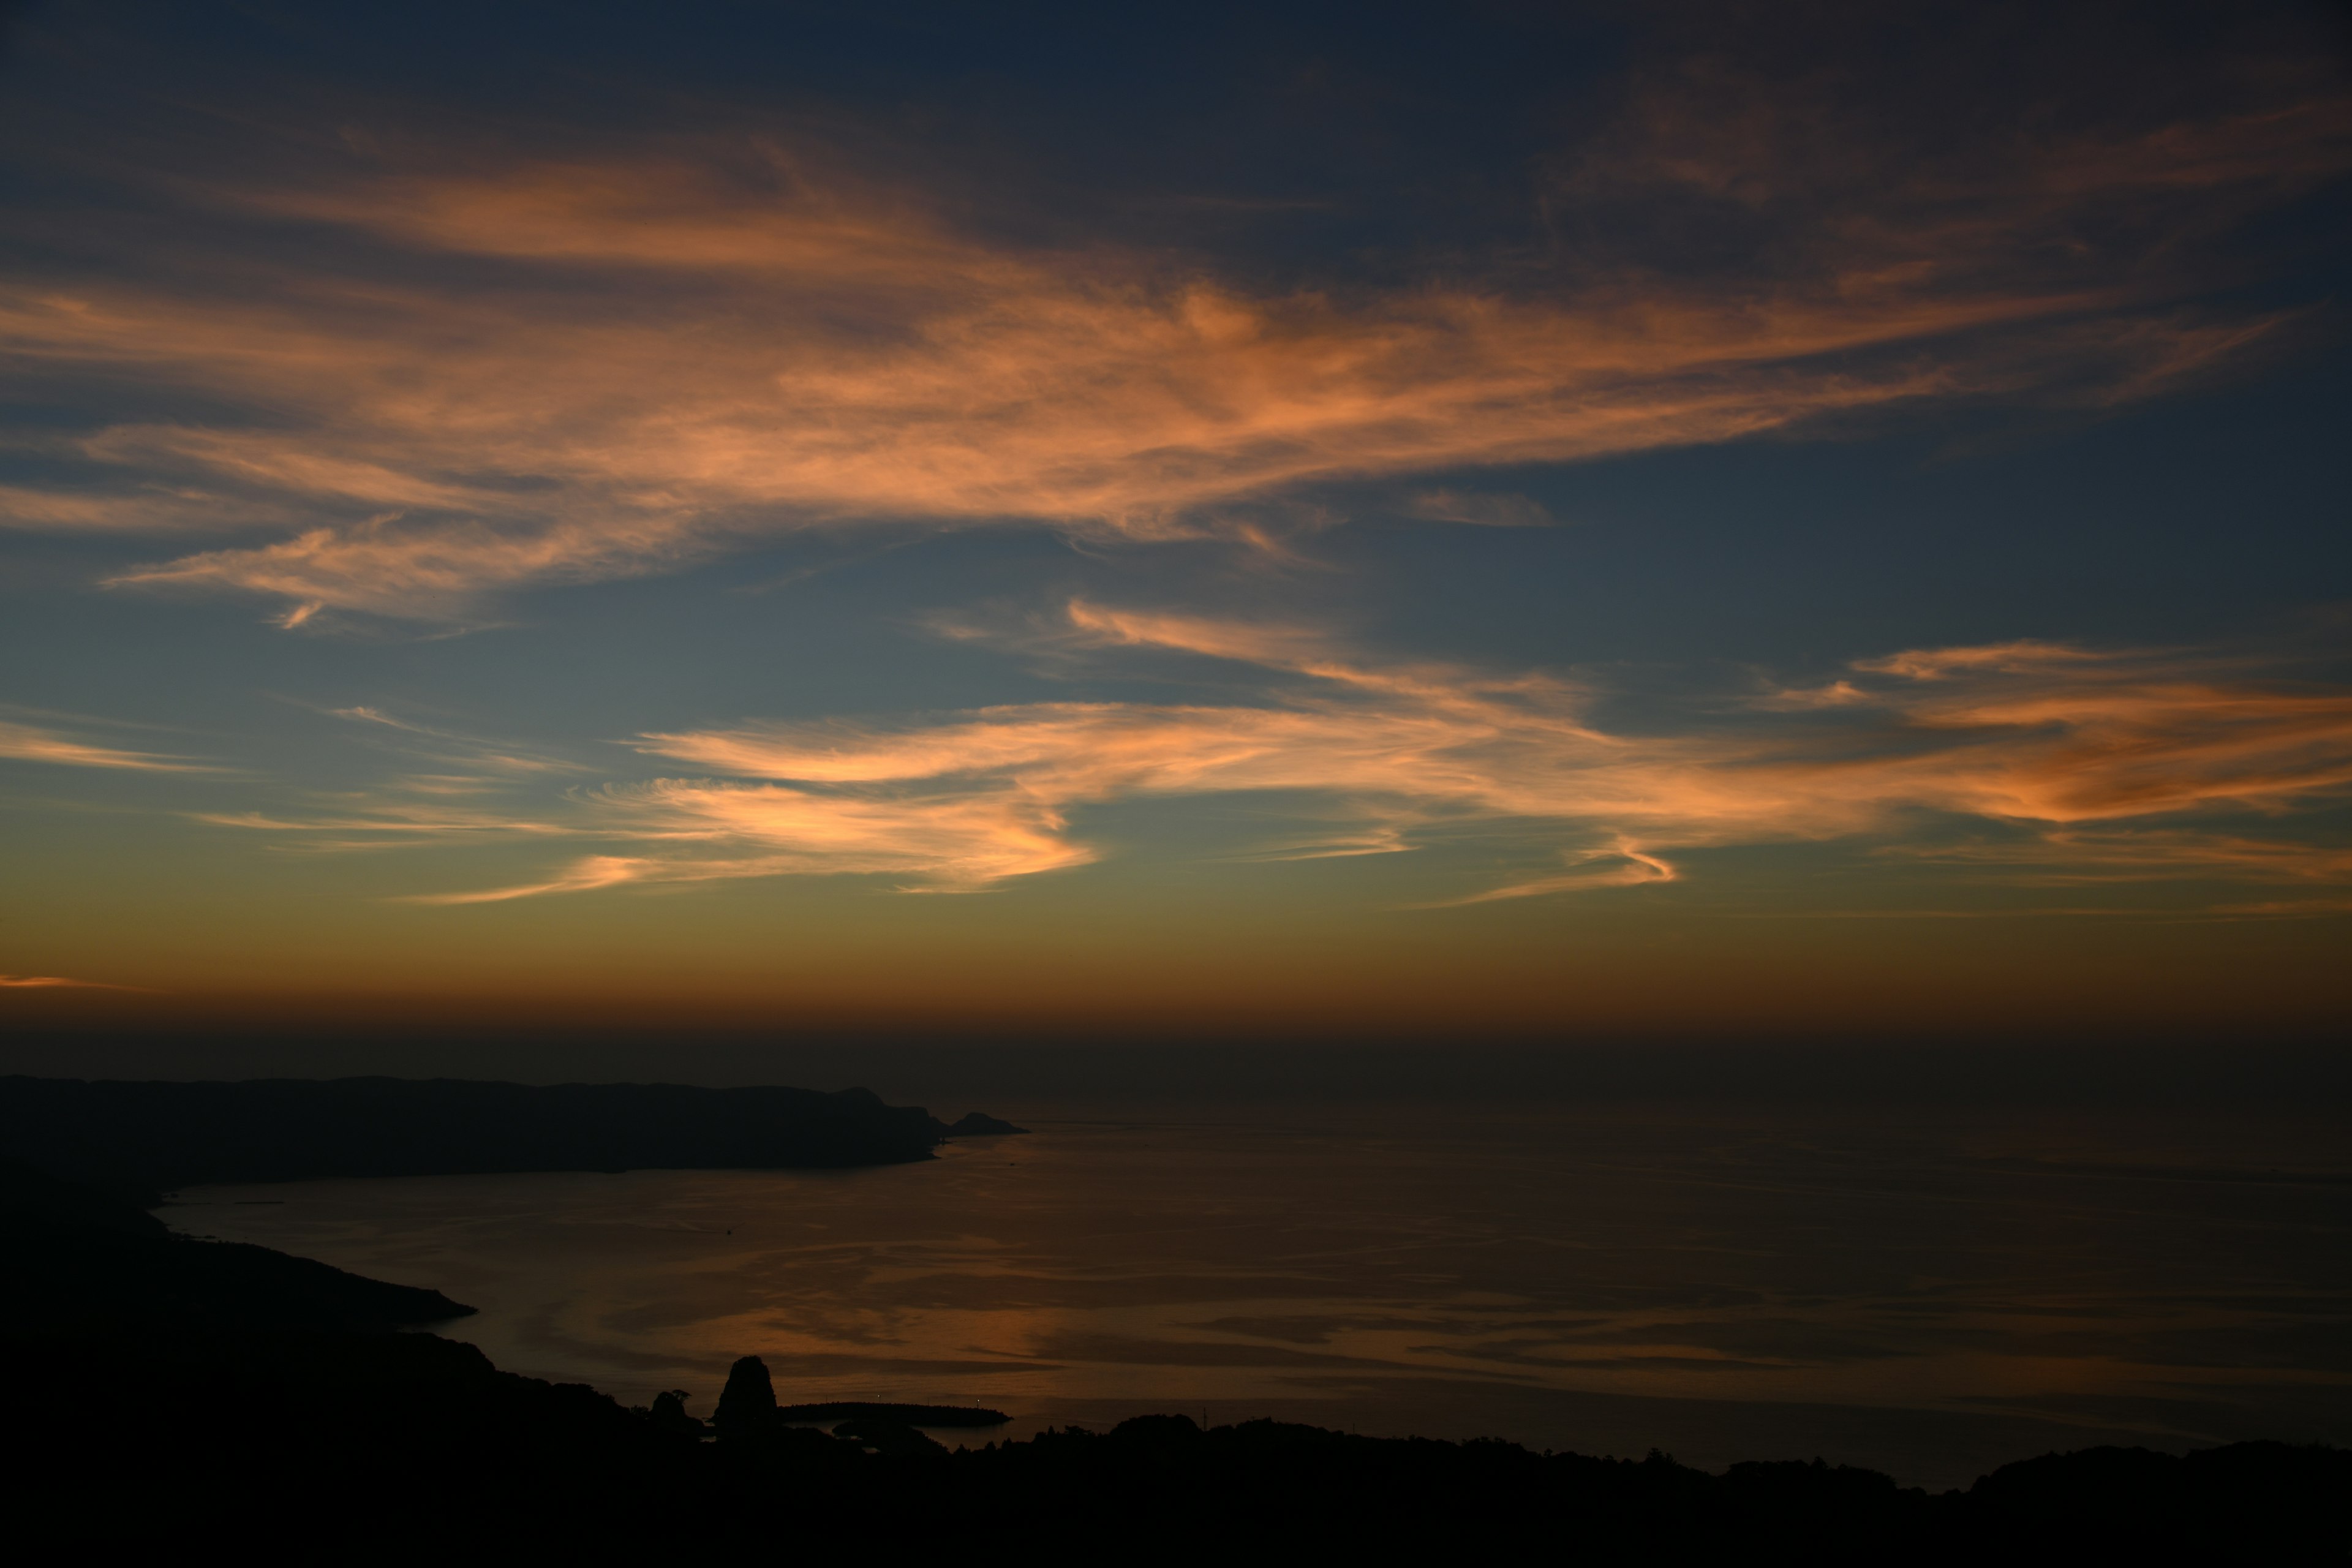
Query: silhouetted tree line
[[165, 1393]]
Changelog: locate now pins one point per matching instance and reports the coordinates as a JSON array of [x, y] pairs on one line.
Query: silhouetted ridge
[[421, 1442], [33, 1201], [170, 1135], [78, 1256]]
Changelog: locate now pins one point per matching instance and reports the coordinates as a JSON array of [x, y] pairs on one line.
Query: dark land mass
[[975, 1125], [77, 1256], [155, 1137], [166, 1394], [942, 1416]]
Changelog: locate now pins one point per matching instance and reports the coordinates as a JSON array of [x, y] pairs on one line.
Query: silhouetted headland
[[161, 1136], [77, 1256]]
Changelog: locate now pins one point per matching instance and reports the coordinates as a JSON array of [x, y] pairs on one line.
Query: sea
[[1931, 1292]]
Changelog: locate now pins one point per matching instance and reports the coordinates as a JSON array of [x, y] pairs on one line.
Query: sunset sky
[[1451, 520]]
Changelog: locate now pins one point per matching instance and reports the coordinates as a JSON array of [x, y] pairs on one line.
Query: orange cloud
[[2024, 656], [27, 742], [55, 981], [1622, 864], [2081, 747], [2071, 856], [381, 822], [944, 843], [584, 874], [672, 363]]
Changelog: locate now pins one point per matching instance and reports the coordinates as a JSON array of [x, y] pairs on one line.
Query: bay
[[1928, 1292]]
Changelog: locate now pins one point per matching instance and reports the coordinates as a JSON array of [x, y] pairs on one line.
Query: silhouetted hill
[[361, 1448], [168, 1135], [35, 1202], [78, 1257]]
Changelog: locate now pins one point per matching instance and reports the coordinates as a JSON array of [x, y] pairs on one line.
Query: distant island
[[155, 1137], [976, 1125]]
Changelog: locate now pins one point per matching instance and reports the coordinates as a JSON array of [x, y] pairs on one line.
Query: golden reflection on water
[[1928, 1293]]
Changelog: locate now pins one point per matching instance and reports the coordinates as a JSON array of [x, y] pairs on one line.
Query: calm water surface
[[1928, 1294]]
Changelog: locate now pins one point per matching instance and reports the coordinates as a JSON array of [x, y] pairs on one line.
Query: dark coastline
[[150, 1137], [295, 1421]]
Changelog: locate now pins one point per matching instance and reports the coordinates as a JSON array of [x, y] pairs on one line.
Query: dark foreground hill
[[379, 1447], [161, 1136], [167, 1396], [78, 1261]]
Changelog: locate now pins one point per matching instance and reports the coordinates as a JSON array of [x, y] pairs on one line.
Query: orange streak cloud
[[27, 742], [2057, 738], [58, 982]]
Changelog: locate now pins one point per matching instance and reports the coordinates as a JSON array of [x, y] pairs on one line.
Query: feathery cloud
[[31, 744], [2103, 757], [670, 360], [58, 982]]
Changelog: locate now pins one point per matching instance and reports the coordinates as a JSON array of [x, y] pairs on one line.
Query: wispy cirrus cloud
[[939, 841], [1620, 865], [471, 802], [1077, 393], [582, 876], [1483, 510], [2096, 766], [486, 762], [59, 981], [2074, 855], [670, 354], [38, 744], [386, 820]]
